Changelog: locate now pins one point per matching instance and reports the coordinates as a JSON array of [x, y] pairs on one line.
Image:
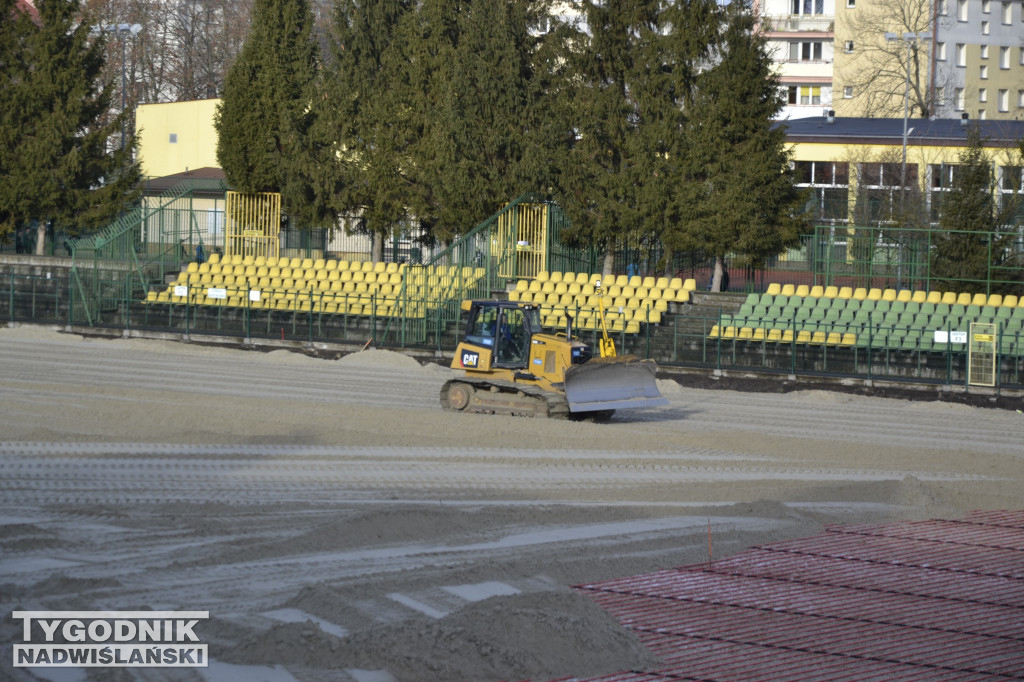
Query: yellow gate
[[252, 224], [981, 355], [526, 230]]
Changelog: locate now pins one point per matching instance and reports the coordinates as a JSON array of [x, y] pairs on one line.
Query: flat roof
[[921, 131]]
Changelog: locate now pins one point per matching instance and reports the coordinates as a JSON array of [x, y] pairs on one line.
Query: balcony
[[788, 23]]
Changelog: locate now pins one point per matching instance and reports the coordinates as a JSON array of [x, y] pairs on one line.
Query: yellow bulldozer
[[513, 367]]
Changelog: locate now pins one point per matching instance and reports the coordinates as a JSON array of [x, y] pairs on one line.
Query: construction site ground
[[338, 525]]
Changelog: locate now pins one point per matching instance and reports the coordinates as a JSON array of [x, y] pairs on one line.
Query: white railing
[[799, 22]]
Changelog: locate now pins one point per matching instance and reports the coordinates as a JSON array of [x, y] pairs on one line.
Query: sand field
[[338, 525]]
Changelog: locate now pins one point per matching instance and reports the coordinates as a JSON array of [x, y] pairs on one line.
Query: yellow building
[[176, 137], [838, 158]]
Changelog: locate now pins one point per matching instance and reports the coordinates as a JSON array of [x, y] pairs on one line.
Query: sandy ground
[[338, 525]]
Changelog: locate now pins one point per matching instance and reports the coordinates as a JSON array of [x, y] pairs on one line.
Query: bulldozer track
[[483, 396]]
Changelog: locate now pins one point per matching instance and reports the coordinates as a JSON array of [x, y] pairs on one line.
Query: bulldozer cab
[[506, 329]]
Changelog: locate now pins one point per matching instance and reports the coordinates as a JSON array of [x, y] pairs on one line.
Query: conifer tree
[[58, 162], [971, 251], [265, 122], [480, 109], [738, 195], [366, 116], [632, 71]]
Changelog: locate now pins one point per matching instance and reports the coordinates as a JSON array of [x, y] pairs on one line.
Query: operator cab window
[[482, 328], [513, 339]]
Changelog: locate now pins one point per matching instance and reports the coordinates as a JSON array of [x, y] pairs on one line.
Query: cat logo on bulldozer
[[470, 359]]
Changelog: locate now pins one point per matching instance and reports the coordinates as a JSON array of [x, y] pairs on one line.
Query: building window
[[805, 52], [1011, 182], [984, 72], [986, 6], [940, 52], [958, 95], [984, 28], [940, 95], [808, 7], [828, 183], [984, 51], [961, 10], [982, 94], [878, 187], [944, 8], [848, 46], [1020, 99], [173, 138], [1004, 58], [848, 92], [1004, 100], [961, 54], [940, 181], [804, 95], [982, 114], [1007, 13], [851, 3]]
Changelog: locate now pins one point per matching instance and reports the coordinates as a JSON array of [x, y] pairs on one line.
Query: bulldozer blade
[[612, 384]]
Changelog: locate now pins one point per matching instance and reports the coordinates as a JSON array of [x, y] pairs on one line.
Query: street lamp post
[[122, 30], [907, 38]]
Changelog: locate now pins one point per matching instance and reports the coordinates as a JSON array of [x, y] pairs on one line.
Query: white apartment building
[[801, 39]]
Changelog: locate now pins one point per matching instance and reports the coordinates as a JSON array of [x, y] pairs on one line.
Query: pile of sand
[[540, 635]]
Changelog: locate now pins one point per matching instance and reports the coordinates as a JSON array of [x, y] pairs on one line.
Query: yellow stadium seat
[[543, 276], [746, 333], [635, 281], [934, 297], [860, 294], [803, 290], [845, 292], [995, 300], [831, 292], [774, 289], [661, 283], [621, 281], [647, 283], [214, 258], [963, 298], [774, 335], [759, 334], [682, 296], [803, 336], [874, 294], [949, 297], [788, 290], [919, 296], [1010, 301], [889, 295], [555, 276], [979, 299]]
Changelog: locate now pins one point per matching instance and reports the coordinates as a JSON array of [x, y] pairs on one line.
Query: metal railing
[[678, 338]]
